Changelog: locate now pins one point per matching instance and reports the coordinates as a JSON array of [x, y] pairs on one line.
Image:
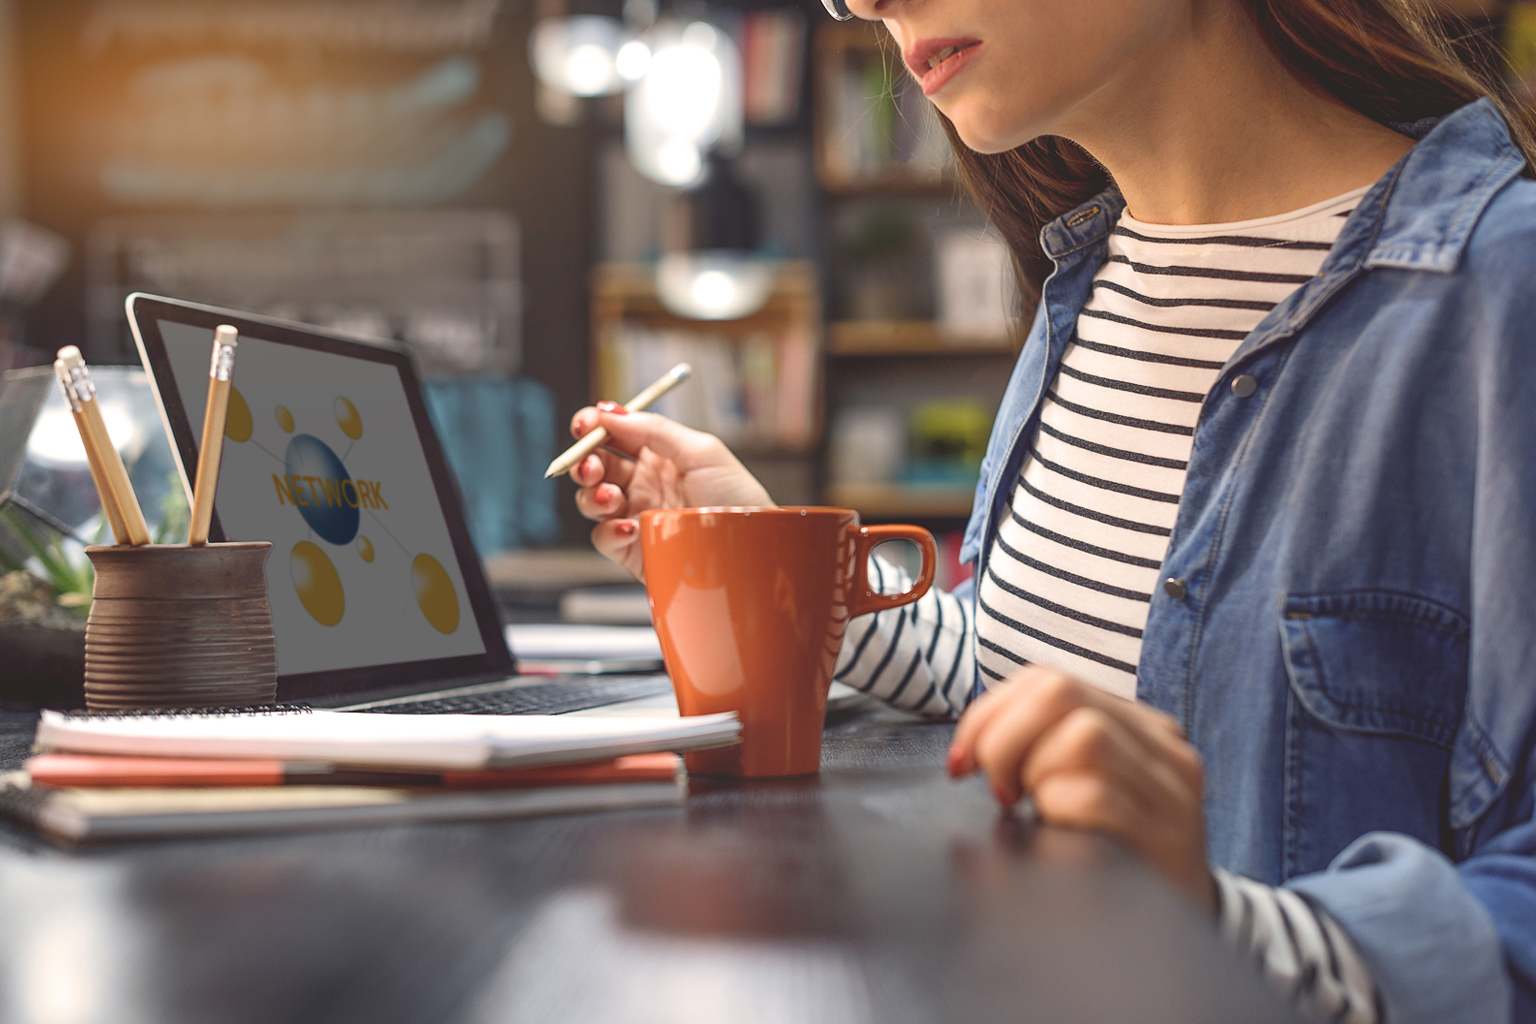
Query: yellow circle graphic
[[284, 418], [365, 548], [434, 593], [347, 418], [318, 586], [237, 422]]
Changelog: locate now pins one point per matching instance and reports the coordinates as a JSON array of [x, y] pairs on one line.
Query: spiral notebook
[[438, 743], [76, 816], [441, 742]]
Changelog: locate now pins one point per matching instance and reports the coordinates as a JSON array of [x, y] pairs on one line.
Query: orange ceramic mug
[[752, 605]]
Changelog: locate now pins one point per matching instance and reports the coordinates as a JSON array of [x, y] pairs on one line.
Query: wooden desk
[[879, 893]]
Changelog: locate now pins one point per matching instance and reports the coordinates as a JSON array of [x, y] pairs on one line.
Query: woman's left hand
[[1092, 760]]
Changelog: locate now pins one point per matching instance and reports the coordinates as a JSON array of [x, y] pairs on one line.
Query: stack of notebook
[[134, 776]]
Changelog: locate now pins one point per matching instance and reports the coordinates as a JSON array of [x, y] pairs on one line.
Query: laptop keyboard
[[551, 698]]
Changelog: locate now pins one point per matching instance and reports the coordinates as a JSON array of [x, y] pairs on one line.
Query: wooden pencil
[[109, 510], [221, 371], [113, 484]]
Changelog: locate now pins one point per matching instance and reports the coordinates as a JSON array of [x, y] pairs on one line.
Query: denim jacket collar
[[1417, 217]]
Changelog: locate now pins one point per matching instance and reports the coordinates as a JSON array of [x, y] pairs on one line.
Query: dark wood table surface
[[881, 892]]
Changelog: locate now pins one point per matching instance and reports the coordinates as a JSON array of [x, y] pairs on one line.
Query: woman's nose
[[869, 10]]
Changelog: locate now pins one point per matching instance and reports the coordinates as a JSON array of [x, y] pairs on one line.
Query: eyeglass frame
[[838, 9]]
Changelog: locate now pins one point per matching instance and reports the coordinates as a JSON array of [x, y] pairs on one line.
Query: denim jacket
[[1353, 647]]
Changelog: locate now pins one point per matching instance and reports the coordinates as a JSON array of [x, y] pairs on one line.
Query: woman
[[1255, 566]]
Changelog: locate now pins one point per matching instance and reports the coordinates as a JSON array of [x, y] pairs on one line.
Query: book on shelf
[[879, 123], [760, 390], [976, 289], [773, 48]]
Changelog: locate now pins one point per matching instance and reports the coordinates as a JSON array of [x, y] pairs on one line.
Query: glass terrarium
[[50, 512]]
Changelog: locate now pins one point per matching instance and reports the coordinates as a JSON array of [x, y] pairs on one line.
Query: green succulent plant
[[71, 575], [70, 578]]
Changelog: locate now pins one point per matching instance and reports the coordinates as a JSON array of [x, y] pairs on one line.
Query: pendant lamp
[[712, 268]]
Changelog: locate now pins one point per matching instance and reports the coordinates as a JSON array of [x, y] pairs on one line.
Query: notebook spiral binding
[[254, 709]]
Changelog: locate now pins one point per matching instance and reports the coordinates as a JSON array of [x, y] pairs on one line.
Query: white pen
[[573, 455]]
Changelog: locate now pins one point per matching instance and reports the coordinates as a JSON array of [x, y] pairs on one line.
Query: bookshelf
[[903, 501], [889, 189], [909, 338], [875, 132], [758, 379]]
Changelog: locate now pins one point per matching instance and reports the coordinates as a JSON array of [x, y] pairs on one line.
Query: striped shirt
[[1069, 581]]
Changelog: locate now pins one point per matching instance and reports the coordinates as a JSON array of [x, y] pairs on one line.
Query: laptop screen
[[325, 456]]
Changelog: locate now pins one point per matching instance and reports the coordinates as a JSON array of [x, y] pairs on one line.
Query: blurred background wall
[[397, 169]]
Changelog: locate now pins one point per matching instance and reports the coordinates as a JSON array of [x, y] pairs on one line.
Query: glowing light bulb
[[680, 161], [682, 92], [632, 60], [577, 55], [713, 285], [714, 290], [588, 69], [55, 440], [685, 103]]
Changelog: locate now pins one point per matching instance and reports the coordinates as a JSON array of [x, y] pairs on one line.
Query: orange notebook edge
[[87, 770], [661, 767], [93, 770]]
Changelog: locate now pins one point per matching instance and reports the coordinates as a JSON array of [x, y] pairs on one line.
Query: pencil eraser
[[70, 356], [224, 334]]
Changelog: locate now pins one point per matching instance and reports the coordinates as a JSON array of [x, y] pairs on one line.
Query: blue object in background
[[499, 435]]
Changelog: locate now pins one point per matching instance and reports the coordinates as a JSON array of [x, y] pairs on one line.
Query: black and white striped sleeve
[[920, 657], [1299, 948]]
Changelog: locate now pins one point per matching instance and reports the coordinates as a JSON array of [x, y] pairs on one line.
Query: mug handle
[[865, 600]]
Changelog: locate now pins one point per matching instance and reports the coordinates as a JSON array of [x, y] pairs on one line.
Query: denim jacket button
[[1244, 385], [1175, 588]]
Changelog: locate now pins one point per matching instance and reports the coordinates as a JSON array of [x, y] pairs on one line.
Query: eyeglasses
[[838, 9]]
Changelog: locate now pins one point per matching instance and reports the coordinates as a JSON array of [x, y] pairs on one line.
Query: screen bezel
[[144, 314]]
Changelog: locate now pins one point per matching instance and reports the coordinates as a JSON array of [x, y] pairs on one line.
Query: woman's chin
[[982, 132], [987, 142]]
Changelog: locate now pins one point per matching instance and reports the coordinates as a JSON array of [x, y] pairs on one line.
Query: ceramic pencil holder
[[176, 626]]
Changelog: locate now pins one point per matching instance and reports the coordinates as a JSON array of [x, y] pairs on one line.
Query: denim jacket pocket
[[1378, 683]]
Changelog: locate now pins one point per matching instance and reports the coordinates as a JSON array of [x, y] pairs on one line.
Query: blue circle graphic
[[326, 496]]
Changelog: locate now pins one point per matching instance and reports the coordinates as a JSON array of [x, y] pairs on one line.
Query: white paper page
[[355, 738], [431, 741], [562, 640]]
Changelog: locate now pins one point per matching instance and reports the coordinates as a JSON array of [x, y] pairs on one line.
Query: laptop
[[378, 598]]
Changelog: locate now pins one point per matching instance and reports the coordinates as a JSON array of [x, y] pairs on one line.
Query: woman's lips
[[935, 61]]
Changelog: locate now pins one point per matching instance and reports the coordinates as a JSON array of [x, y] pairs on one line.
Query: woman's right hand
[[671, 466]]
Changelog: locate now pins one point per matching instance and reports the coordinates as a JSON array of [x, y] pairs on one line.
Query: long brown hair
[[1388, 59]]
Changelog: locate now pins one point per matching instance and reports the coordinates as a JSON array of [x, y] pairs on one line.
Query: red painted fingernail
[[1002, 798], [952, 762], [612, 407], [625, 529]]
